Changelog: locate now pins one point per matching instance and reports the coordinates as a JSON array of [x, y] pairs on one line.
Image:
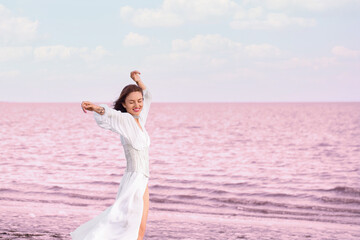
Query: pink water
[[218, 170]]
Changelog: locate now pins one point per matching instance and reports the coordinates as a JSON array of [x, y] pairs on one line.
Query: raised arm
[[86, 105], [135, 75], [107, 117]]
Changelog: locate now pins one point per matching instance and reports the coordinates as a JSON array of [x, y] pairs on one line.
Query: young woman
[[126, 218]]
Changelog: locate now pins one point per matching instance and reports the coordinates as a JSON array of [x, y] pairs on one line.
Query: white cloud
[[244, 14], [176, 12], [199, 9], [150, 17], [14, 53], [98, 53], [255, 20], [314, 63], [135, 39], [212, 53], [313, 5], [126, 11], [9, 74], [200, 53], [262, 51], [51, 52], [342, 51], [57, 51], [63, 52], [206, 43], [301, 62], [217, 45], [16, 29]]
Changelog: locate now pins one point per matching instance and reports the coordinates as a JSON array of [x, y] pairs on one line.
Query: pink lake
[[218, 170]]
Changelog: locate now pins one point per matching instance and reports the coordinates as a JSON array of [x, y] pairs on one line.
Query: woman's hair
[[124, 93]]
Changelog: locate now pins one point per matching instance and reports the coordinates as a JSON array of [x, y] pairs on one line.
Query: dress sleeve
[[146, 106], [112, 119]]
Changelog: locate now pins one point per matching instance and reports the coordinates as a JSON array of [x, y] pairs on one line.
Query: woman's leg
[[145, 214]]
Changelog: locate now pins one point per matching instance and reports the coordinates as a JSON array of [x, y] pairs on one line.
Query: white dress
[[122, 220]]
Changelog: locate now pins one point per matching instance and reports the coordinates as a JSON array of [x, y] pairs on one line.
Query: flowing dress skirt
[[122, 220]]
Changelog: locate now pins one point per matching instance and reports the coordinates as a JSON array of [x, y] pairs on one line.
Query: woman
[[126, 218]]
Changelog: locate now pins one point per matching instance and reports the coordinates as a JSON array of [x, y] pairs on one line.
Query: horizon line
[[77, 102]]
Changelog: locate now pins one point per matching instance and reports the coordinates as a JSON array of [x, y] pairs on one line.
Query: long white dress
[[122, 220]]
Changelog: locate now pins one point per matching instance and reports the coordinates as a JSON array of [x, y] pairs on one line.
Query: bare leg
[[145, 214]]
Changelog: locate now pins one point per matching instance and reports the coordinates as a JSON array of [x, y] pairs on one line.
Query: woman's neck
[[136, 116]]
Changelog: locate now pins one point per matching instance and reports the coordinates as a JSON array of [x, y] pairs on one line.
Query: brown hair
[[124, 93]]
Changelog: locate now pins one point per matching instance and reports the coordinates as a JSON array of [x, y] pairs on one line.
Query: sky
[[186, 50]]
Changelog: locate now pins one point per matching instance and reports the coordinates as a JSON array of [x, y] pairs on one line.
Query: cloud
[[51, 52], [9, 74], [135, 39], [16, 29], [176, 12], [14, 53], [314, 63], [95, 54], [200, 9], [341, 56], [63, 52], [243, 15], [206, 43], [258, 20], [57, 51], [150, 17], [342, 51], [211, 54], [317, 5], [217, 45], [262, 51], [215, 54]]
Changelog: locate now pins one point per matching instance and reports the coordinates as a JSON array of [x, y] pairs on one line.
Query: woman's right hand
[[135, 75], [86, 105]]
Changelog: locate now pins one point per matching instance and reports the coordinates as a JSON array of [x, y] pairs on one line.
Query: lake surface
[[217, 170]]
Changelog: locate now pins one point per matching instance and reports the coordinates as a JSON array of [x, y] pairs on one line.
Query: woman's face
[[133, 103]]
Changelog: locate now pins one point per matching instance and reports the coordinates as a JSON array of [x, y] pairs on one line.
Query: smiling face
[[134, 103]]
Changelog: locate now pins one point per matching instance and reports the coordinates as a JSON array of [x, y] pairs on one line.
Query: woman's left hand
[[135, 75]]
